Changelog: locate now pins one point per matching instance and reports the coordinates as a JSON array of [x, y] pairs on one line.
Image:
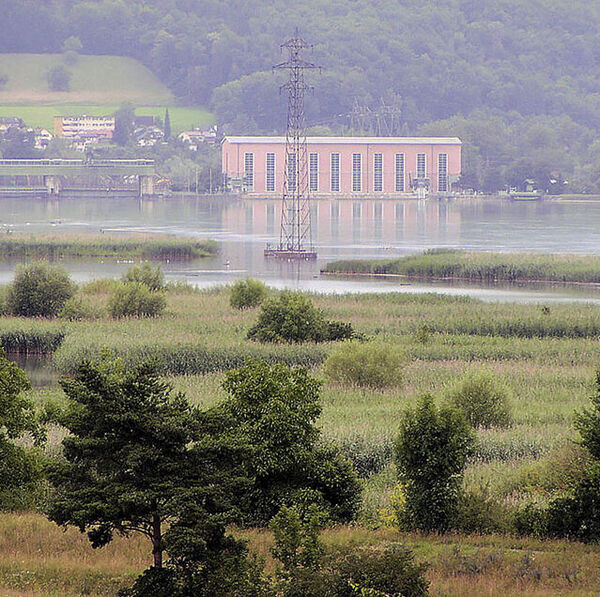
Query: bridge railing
[[77, 163]]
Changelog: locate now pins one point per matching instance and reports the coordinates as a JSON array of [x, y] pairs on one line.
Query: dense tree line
[[517, 79]]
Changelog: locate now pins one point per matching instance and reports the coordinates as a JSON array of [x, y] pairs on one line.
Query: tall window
[[335, 172], [400, 173], [270, 171], [313, 179], [421, 165], [378, 172], [249, 171], [356, 172], [443, 172], [292, 172]]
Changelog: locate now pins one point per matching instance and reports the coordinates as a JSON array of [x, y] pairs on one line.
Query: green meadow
[[99, 84]]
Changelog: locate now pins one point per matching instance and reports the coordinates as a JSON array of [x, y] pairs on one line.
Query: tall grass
[[38, 558], [470, 265], [27, 336], [104, 245]]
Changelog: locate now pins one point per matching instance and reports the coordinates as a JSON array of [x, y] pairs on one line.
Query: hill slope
[[94, 79]]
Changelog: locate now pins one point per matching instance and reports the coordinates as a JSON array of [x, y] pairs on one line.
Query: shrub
[[39, 290], [365, 365], [430, 454], [293, 318], [154, 279], [133, 299], [482, 399], [247, 293], [531, 520], [76, 309], [370, 572], [308, 570], [576, 516], [479, 512]]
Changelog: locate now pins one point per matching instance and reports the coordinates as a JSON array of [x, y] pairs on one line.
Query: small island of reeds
[[480, 266], [149, 246]]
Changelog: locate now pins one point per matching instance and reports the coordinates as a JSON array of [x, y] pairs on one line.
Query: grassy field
[[512, 267], [99, 84], [40, 559], [547, 361], [43, 115], [94, 79], [546, 358]]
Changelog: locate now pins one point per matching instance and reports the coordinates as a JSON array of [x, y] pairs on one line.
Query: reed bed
[[201, 336], [150, 246], [25, 336], [469, 265]]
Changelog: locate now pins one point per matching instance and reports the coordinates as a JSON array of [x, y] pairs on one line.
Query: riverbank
[[148, 246], [442, 264]]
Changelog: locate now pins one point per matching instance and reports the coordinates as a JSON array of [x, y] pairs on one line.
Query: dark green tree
[[140, 459], [577, 515], [59, 78], [39, 290], [273, 410], [167, 127], [430, 454], [124, 122], [292, 317], [20, 468]]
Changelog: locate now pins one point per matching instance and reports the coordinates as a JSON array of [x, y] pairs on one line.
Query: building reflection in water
[[341, 229]]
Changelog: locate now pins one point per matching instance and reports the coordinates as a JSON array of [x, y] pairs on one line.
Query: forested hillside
[[518, 80]]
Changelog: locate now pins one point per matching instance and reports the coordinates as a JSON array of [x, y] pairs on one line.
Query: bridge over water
[[53, 171]]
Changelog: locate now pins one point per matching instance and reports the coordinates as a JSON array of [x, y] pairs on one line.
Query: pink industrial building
[[346, 166]]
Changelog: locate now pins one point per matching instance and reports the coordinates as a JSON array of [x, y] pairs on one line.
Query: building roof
[[355, 140]]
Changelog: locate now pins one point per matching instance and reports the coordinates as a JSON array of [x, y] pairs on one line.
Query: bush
[[365, 365], [133, 299], [39, 290], [430, 454], [247, 293], [482, 399], [154, 279], [293, 318], [576, 516], [479, 512], [532, 521], [370, 572], [76, 309]]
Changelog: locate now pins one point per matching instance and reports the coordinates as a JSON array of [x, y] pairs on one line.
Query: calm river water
[[341, 229]]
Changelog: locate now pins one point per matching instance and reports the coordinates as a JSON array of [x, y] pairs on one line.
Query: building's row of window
[[334, 183]]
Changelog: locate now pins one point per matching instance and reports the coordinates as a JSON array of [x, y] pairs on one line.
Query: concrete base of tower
[[290, 254]]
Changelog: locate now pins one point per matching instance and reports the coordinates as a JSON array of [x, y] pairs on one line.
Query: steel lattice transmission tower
[[295, 240]]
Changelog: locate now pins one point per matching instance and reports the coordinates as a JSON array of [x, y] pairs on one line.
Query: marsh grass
[[200, 336], [480, 265], [57, 246]]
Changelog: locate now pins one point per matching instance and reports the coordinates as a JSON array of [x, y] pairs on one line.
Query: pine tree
[[167, 129]]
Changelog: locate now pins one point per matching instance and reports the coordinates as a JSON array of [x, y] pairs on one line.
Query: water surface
[[366, 229]]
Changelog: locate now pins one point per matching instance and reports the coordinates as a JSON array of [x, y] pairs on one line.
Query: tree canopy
[[139, 457], [517, 80]]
